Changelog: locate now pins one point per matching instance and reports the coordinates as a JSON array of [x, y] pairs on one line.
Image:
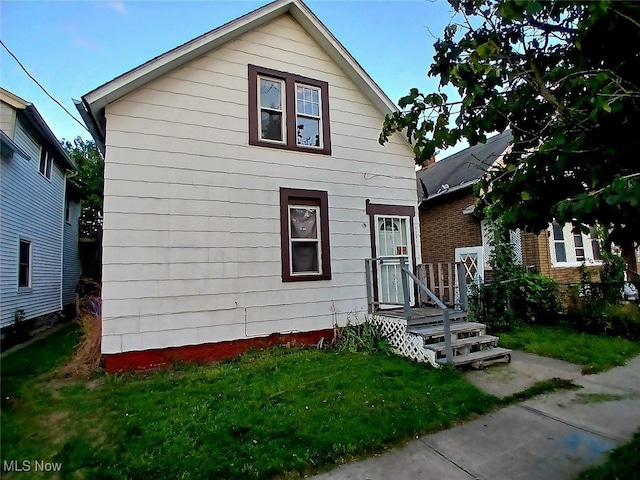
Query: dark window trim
[[374, 209], [290, 110], [310, 197]]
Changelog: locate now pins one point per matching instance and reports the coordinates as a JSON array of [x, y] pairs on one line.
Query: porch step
[[465, 346], [459, 330], [481, 358]]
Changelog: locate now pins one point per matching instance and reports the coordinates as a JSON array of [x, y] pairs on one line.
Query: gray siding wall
[[31, 207], [72, 268]]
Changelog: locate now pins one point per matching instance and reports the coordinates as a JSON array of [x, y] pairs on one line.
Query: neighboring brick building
[[450, 232]]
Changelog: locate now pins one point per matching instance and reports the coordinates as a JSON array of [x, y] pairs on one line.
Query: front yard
[[284, 412]]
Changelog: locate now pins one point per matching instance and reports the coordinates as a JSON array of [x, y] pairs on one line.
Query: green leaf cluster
[[564, 77], [89, 180]]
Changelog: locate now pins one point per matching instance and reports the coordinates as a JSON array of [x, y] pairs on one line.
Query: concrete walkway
[[553, 436]]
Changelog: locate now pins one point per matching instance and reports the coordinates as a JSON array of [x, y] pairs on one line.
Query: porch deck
[[422, 315]]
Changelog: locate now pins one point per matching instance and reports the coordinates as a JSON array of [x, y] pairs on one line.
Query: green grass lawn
[[282, 412], [594, 353]]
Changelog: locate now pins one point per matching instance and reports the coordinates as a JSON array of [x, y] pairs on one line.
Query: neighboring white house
[[33, 180], [244, 188]]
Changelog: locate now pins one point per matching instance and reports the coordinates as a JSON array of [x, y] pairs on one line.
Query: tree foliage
[[564, 76], [89, 180]]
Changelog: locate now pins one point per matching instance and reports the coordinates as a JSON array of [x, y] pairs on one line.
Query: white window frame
[[317, 240], [282, 111], [570, 248], [48, 163], [307, 115], [28, 286]]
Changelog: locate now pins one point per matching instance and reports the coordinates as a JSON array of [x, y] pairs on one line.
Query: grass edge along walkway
[[594, 353]]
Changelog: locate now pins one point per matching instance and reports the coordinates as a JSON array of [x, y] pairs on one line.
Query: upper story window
[[46, 161], [288, 111], [569, 248]]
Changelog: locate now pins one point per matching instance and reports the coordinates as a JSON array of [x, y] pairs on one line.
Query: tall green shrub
[[514, 294]]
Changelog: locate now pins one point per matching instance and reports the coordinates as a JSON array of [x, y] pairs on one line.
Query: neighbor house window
[[304, 226], [24, 264], [569, 248], [46, 161], [515, 239], [67, 210], [288, 111]]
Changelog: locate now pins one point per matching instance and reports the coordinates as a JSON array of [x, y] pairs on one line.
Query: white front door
[[473, 260], [393, 241]]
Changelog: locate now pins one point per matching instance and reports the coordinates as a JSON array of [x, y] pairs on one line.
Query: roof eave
[[91, 123], [448, 191], [33, 116]]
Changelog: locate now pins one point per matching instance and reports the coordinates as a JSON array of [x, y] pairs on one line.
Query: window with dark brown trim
[[304, 232], [288, 111]]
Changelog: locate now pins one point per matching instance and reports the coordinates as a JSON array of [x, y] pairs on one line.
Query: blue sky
[[72, 47]]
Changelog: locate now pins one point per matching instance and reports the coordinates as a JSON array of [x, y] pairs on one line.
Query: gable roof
[[462, 169], [28, 113], [93, 103]]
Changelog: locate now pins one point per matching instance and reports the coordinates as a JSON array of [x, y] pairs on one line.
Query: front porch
[[425, 326]]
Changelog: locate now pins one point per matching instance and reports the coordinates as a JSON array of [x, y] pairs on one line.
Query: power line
[[43, 89]]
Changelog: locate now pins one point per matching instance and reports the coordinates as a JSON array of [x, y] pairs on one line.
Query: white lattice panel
[[404, 343]]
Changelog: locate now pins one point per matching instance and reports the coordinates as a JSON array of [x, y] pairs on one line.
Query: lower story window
[[304, 235], [24, 264]]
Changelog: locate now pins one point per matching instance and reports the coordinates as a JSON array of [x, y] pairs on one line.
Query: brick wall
[[443, 228]]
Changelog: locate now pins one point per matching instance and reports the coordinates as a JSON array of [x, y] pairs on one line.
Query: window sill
[[294, 148], [25, 289], [592, 263], [306, 278]]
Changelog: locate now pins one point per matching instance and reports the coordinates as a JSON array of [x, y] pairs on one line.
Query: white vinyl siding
[[31, 207], [192, 212]]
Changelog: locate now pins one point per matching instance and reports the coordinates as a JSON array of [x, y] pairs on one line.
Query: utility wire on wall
[[41, 87]]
